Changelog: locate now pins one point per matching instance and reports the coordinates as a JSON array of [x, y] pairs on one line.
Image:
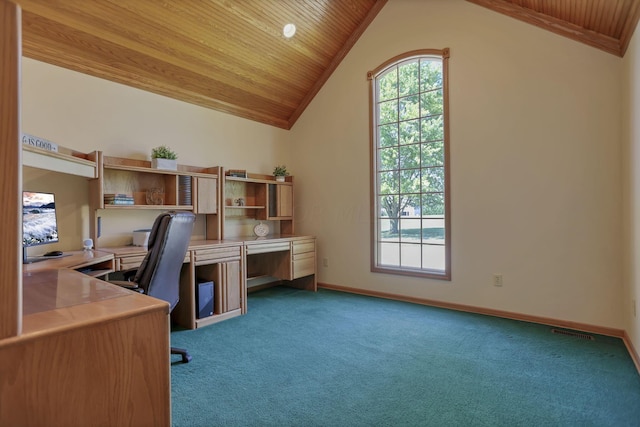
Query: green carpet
[[335, 359]]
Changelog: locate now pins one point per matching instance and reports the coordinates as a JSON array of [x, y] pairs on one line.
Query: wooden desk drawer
[[125, 263], [304, 246], [268, 247], [306, 255], [304, 266], [216, 254]]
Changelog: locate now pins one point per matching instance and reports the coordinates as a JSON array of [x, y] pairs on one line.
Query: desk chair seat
[[159, 274]]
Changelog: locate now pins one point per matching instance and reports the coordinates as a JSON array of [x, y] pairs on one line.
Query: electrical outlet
[[497, 279], [325, 262]]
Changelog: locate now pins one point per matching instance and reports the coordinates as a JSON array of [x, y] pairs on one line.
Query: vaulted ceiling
[[231, 55], [228, 55]]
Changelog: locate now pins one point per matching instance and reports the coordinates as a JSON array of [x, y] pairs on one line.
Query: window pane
[[430, 75], [432, 154], [432, 204], [388, 112], [388, 158], [410, 255], [392, 231], [388, 85], [409, 107], [388, 182], [410, 205], [389, 230], [409, 156], [409, 132], [410, 181], [432, 128], [389, 206], [410, 229], [432, 179], [433, 257], [433, 230], [389, 254], [388, 135], [431, 103], [408, 78]]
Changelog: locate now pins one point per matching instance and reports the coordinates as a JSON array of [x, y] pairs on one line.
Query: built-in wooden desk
[[234, 265], [89, 353]]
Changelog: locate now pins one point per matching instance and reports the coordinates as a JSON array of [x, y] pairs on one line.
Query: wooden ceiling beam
[[589, 13]]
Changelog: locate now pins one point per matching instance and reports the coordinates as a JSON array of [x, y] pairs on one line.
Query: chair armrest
[[128, 274], [133, 286]]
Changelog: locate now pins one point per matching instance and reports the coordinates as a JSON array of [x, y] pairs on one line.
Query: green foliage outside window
[[411, 140]]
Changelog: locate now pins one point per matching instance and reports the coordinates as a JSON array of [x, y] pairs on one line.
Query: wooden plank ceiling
[[231, 56], [228, 55], [604, 24]]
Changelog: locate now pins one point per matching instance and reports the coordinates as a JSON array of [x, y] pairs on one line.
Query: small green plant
[[280, 171], [163, 152]]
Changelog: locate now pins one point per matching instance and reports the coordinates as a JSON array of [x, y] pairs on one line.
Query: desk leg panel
[[112, 373], [184, 312], [308, 283]]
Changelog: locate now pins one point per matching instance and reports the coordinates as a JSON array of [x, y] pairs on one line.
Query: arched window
[[410, 165]]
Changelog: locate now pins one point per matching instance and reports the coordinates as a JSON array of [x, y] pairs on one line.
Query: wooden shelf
[[73, 163], [244, 207], [205, 321], [255, 180], [151, 207]]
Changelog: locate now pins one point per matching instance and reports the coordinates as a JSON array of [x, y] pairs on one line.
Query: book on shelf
[[117, 196], [118, 199], [119, 202], [237, 173]]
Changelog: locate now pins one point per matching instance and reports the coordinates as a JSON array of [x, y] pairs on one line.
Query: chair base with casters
[[186, 357]]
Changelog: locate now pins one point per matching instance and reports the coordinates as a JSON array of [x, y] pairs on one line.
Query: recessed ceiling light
[[289, 30]]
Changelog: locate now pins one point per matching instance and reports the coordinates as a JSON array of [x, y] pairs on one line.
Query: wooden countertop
[[199, 244], [56, 297], [71, 259]]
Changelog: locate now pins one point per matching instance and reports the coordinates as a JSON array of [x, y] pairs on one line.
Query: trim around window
[[409, 157]]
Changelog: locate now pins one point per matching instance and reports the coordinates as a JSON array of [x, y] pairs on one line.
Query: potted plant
[[280, 172], [163, 157]]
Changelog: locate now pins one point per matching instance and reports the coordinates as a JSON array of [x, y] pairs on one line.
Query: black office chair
[[159, 274]]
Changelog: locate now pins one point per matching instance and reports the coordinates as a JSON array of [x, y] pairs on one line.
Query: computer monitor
[[39, 221]]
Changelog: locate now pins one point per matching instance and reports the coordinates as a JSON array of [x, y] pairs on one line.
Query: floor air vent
[[573, 334]]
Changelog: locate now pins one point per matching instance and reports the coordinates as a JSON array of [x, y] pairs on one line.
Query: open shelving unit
[[259, 198], [189, 188]]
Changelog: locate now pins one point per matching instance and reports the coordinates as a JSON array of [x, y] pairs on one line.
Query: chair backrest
[[159, 273]]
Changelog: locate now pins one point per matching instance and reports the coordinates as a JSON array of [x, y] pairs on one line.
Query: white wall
[[631, 186], [86, 114], [535, 164]]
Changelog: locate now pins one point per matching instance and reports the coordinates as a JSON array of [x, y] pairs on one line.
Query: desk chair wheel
[[186, 357]]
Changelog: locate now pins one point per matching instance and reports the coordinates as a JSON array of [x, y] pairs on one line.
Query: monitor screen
[[39, 223]]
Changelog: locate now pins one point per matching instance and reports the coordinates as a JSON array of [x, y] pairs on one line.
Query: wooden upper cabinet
[[280, 201], [206, 200]]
